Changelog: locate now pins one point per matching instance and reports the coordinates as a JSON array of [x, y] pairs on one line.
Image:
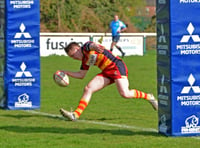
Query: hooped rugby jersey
[[104, 61]]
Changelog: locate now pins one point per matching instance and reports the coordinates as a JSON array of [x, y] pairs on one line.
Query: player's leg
[[112, 45], [123, 88], [97, 83], [120, 49], [116, 40]]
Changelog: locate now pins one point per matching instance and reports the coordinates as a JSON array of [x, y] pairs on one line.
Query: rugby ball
[[61, 78]]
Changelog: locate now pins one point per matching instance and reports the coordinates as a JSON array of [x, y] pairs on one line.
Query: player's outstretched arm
[[98, 48], [78, 75]]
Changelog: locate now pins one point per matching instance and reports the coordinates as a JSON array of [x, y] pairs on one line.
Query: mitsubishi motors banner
[[178, 46], [22, 69]]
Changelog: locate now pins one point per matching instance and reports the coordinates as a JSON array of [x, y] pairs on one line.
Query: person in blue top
[[117, 27]]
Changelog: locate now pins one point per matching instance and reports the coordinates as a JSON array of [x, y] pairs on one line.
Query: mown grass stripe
[[95, 122], [99, 123]]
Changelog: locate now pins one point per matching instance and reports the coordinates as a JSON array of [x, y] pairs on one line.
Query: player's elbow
[[124, 29], [82, 74], [81, 77]]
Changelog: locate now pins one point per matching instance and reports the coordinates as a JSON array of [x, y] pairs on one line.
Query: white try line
[[100, 123], [95, 122]]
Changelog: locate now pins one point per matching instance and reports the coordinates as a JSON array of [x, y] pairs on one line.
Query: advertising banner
[[55, 45], [178, 67], [185, 67], [131, 45], [22, 72], [51, 45]]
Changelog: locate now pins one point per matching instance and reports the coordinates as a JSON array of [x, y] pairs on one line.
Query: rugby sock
[[140, 94], [120, 49], [82, 105]]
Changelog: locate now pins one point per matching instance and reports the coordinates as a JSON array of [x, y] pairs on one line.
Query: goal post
[[178, 66], [21, 70], [2, 51]]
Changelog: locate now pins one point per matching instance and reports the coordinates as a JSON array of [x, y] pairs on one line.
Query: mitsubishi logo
[[190, 30], [22, 33], [23, 68], [186, 89]]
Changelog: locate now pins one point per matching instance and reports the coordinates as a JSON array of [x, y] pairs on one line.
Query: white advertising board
[[131, 45], [54, 45]]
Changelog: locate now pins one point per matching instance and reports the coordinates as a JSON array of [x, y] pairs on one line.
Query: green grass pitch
[[109, 121]]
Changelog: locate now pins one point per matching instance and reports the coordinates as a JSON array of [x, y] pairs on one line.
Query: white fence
[[54, 43]]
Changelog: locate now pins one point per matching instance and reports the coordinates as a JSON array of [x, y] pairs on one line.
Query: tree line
[[90, 15]]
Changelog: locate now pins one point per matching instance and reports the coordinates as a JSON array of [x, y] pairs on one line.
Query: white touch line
[[95, 122]]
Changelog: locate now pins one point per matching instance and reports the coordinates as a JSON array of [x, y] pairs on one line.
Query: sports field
[[109, 121]]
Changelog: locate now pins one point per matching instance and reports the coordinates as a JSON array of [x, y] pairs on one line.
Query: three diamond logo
[[186, 89], [22, 28], [190, 30], [23, 68]]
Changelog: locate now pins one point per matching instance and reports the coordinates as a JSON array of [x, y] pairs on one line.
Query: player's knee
[[87, 89], [124, 94]]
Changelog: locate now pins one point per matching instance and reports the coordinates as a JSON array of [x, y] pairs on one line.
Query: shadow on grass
[[19, 116], [59, 130], [89, 131]]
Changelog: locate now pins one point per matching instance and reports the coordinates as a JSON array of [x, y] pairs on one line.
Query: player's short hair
[[70, 46]]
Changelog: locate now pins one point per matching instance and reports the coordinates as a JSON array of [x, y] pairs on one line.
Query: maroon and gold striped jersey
[[105, 60]]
